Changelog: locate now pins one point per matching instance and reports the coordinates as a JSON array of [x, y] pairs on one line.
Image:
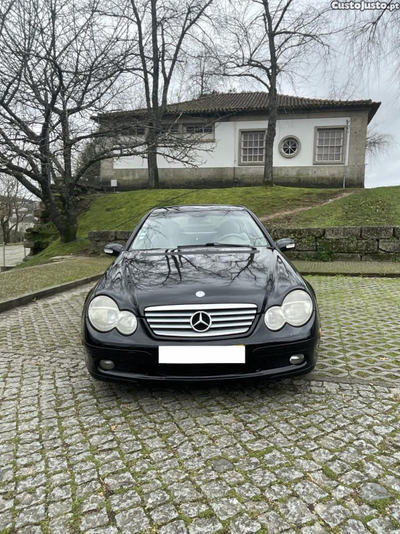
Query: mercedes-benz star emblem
[[200, 294], [200, 321]]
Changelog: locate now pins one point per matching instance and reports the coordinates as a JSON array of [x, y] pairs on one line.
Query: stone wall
[[99, 239], [344, 243], [320, 176]]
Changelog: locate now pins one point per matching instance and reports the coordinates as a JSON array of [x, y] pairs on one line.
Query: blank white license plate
[[202, 354]]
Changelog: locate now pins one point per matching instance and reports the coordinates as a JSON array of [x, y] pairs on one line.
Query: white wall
[[224, 151]]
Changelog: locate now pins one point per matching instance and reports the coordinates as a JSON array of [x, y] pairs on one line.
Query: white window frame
[[343, 146], [241, 147]]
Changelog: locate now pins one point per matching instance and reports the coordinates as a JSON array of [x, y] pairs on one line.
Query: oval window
[[289, 146]]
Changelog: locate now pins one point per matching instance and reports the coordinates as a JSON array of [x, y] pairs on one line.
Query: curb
[[47, 292], [359, 275]]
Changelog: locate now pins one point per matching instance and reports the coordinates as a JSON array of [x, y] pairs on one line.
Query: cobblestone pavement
[[311, 455]]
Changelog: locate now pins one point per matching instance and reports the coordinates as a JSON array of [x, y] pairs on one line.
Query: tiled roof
[[226, 103]]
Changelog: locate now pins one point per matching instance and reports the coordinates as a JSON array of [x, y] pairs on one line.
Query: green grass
[[20, 281], [367, 207], [122, 211]]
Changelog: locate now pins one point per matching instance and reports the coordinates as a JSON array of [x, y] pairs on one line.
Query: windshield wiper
[[216, 244]]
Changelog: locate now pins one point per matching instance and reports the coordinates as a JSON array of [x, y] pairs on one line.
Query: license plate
[[202, 354]]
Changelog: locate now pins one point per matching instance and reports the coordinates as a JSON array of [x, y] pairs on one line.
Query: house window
[[252, 147], [289, 147], [138, 131], [172, 129], [199, 129], [329, 145]]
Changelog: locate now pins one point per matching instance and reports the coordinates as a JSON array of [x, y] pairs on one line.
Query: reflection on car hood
[[150, 278]]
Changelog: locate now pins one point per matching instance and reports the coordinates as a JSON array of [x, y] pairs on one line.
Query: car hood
[[140, 279]]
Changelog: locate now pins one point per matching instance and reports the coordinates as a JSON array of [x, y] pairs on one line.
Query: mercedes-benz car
[[200, 293]]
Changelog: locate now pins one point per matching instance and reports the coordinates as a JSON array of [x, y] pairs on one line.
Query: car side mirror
[[113, 249], [285, 244]]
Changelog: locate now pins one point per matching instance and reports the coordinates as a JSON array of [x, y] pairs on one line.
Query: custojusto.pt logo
[[366, 6]]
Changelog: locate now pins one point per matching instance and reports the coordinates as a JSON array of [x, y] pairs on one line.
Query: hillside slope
[[324, 207], [122, 211], [366, 207]]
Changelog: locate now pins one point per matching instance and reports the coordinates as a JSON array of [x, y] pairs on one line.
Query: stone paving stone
[[332, 513], [382, 525], [244, 525], [296, 512], [316, 454], [93, 520], [354, 527], [209, 525], [273, 521], [30, 516], [370, 492], [176, 527], [315, 528], [132, 521], [164, 514], [225, 508]]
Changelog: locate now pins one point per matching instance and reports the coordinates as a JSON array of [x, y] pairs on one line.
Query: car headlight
[[296, 310], [105, 315]]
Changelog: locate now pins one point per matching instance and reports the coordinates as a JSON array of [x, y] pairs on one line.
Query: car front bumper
[[140, 362]]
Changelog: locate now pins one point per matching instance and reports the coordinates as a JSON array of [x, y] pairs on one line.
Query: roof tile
[[226, 103]]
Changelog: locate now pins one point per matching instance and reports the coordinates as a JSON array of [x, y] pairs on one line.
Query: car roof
[[198, 207]]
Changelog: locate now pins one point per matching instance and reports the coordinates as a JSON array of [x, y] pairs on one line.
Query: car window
[[172, 229]]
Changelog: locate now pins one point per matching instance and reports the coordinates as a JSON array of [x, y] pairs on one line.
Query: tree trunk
[[153, 168], [64, 217], [152, 165], [269, 139], [69, 230], [4, 230]]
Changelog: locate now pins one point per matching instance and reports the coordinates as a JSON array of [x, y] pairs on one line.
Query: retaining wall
[[351, 243]]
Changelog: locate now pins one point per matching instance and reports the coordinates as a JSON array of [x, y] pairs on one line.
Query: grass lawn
[[121, 211], [367, 207], [20, 281]]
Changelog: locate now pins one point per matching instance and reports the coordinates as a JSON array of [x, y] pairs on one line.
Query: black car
[[200, 293]]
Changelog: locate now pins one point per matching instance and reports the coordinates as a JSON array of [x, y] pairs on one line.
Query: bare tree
[[61, 62], [13, 206], [378, 143], [266, 41], [371, 39], [158, 31]]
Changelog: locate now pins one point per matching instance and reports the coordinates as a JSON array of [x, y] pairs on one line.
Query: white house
[[319, 143]]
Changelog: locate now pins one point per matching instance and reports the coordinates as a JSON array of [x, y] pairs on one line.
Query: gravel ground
[[311, 455]]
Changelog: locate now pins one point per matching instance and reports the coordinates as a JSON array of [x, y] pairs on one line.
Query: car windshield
[[173, 229]]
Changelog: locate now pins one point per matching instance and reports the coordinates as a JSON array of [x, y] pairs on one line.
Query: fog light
[[297, 359], [107, 365]]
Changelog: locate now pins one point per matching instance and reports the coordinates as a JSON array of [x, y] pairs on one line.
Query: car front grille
[[185, 320]]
